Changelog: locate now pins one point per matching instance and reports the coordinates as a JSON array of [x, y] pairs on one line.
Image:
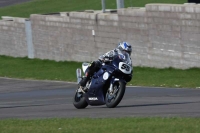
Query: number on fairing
[[125, 68]]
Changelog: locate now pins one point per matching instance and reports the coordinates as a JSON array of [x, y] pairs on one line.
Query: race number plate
[[125, 68]]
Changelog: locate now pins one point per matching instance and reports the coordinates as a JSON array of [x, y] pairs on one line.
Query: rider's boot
[[83, 83], [88, 74]]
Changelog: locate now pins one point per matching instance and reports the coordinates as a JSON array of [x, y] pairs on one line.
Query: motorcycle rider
[[96, 65]]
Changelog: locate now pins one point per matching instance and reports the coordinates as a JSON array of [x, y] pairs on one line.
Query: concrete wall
[[69, 37], [162, 35], [13, 37], [174, 35]]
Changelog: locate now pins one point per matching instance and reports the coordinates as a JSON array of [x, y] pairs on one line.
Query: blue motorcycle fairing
[[115, 79], [102, 80], [95, 94]]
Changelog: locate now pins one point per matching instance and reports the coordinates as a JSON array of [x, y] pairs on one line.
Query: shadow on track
[[156, 104], [22, 106]]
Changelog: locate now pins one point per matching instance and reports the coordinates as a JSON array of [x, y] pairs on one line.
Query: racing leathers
[[96, 65]]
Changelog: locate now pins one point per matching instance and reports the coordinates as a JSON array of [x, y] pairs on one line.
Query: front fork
[[112, 81]]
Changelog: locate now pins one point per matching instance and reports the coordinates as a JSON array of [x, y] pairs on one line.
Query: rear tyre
[[114, 98], [79, 101]]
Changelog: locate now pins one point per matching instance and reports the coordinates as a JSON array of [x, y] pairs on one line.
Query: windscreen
[[125, 57]]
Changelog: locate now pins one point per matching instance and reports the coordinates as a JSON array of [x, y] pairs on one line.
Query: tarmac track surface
[[4, 3], [44, 99]]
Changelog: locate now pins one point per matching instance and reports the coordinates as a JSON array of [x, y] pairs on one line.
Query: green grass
[[25, 68], [107, 125], [49, 6], [168, 77], [37, 69]]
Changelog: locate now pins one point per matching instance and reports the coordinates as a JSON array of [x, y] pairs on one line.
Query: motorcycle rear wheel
[[113, 99], [79, 101]]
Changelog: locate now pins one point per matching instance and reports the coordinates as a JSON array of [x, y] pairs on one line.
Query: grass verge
[[111, 125], [49, 6], [25, 68]]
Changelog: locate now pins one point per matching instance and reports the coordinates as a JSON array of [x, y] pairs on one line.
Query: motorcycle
[[106, 86]]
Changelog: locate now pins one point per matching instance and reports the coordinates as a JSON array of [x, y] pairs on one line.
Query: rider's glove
[[106, 59]]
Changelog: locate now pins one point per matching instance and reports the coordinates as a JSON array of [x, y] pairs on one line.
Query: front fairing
[[125, 57], [101, 80], [99, 84], [122, 63]]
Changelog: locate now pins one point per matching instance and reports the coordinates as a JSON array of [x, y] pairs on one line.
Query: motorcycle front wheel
[[113, 98], [79, 101]]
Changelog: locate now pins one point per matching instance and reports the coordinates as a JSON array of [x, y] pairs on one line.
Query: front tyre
[[79, 101], [113, 98]]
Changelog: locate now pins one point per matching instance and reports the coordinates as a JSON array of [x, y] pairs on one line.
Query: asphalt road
[[4, 3], [44, 99]]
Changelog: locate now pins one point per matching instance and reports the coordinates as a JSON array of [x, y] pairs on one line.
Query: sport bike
[[107, 85]]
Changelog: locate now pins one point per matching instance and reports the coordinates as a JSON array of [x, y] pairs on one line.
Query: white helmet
[[124, 46]]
